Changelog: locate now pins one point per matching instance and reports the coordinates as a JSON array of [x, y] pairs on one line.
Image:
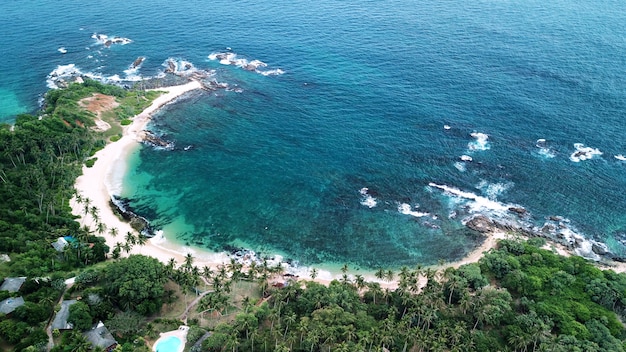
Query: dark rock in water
[[518, 210], [137, 222], [599, 250], [481, 223], [137, 62], [556, 218], [171, 67], [548, 228], [157, 141], [578, 241], [618, 258]]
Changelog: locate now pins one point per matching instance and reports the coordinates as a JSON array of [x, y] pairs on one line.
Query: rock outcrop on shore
[[137, 222], [553, 230]]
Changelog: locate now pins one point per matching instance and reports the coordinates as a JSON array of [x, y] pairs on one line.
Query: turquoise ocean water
[[375, 129]]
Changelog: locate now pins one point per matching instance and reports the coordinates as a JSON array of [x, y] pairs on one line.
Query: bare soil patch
[[99, 103]]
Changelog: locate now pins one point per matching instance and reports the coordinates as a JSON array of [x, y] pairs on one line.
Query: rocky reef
[[121, 207]]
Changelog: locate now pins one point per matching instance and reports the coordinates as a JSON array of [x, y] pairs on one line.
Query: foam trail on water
[[406, 209], [478, 203]]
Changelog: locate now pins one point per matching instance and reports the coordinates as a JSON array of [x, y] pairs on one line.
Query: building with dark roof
[[10, 304], [12, 284], [60, 319], [100, 337]]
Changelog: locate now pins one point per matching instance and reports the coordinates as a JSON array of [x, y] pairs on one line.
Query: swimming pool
[[169, 344]]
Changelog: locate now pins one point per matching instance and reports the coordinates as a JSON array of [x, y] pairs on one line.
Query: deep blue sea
[[374, 130]]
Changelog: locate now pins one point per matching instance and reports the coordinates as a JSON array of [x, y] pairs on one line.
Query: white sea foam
[[481, 142], [179, 66], [478, 204], [620, 157], [493, 190], [107, 41], [62, 50], [466, 158], [544, 150], [583, 153], [446, 127], [62, 73], [584, 246], [367, 199], [231, 59], [406, 209], [460, 166]]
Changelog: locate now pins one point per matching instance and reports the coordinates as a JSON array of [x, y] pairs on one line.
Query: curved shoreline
[[96, 182], [94, 185]]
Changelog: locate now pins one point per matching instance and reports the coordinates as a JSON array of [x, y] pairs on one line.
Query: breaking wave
[[107, 41], [481, 142], [230, 58]]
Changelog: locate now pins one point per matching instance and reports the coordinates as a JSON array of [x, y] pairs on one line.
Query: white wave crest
[[583, 153], [230, 58], [620, 157], [466, 158], [367, 199], [481, 142], [107, 41], [179, 66], [544, 150], [406, 209], [61, 75]]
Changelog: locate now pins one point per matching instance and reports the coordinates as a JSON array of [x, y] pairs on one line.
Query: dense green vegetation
[[40, 159], [517, 298]]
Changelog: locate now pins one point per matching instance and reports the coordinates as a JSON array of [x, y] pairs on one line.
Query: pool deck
[[181, 333]]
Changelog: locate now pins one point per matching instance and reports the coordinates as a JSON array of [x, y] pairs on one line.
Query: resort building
[[60, 319], [12, 284], [100, 337], [10, 304]]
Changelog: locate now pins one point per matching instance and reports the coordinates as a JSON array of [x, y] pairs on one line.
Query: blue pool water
[[375, 129], [169, 344]]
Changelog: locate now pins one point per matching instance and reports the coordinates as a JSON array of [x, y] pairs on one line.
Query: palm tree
[[389, 275], [188, 264], [344, 268], [313, 273], [141, 241], [95, 213], [130, 239], [113, 231], [101, 227], [359, 282], [380, 274]]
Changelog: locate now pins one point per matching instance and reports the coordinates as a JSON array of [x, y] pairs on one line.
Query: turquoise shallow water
[[384, 96]]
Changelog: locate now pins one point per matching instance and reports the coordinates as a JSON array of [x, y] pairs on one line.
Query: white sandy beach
[[94, 185]]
